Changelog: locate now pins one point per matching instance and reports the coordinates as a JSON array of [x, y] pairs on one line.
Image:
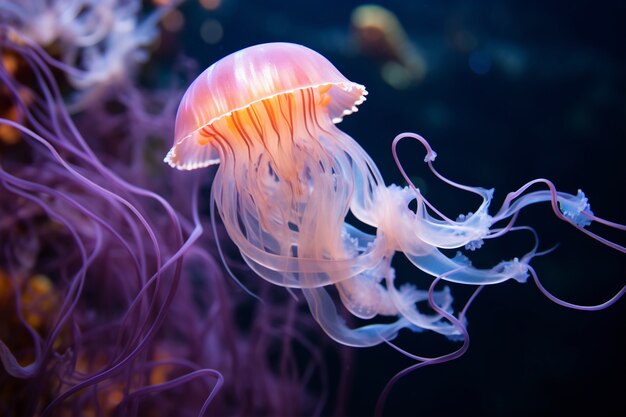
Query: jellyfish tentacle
[[325, 313], [87, 256], [405, 300], [274, 263], [426, 361], [573, 209], [436, 264], [419, 228], [429, 158], [366, 176], [364, 297], [222, 257], [619, 294]]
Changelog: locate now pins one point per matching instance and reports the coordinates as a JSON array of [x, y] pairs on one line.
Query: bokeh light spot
[[210, 4], [211, 31], [480, 62], [173, 21]]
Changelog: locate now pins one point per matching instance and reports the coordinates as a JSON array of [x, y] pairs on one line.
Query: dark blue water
[[513, 90]]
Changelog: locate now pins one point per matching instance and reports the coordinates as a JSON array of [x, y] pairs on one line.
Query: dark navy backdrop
[[548, 99]]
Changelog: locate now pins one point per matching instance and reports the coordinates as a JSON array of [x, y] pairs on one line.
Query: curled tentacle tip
[[576, 209], [461, 259], [430, 156], [516, 269], [474, 244]]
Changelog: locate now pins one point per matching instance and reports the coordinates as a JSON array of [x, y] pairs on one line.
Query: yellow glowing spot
[[58, 343], [38, 300], [161, 373], [26, 360], [114, 398], [34, 320], [5, 288], [40, 284], [203, 139], [88, 412], [158, 375], [9, 135], [324, 88], [15, 37], [211, 31], [173, 21], [82, 365], [324, 100], [380, 34], [10, 63], [210, 4]]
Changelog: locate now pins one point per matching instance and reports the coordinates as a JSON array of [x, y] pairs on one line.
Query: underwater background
[[504, 91]]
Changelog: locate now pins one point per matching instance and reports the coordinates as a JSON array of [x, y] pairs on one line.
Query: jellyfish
[[288, 177]]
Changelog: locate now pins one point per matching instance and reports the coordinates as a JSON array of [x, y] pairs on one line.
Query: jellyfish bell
[[287, 178], [274, 75]]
